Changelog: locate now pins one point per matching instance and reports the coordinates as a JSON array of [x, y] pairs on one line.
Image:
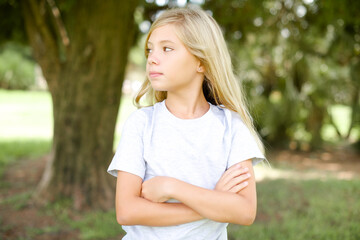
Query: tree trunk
[[83, 54], [315, 122]]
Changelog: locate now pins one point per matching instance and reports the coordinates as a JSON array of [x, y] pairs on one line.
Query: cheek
[[186, 64], [187, 68]]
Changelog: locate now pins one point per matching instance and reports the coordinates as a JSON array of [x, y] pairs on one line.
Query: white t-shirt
[[198, 151]]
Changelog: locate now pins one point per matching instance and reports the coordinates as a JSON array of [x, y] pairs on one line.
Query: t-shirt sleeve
[[243, 144], [129, 153]]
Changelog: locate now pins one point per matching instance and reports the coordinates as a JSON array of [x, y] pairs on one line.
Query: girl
[[184, 165]]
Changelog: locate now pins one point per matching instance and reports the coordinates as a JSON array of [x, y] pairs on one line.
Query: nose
[[152, 59]]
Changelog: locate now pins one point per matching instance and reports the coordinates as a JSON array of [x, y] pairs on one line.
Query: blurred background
[[69, 71]]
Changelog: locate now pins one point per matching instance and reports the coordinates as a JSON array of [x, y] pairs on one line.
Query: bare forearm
[[144, 212], [216, 205], [132, 209]]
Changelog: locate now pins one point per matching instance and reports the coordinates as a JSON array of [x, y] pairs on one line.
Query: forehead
[[164, 33]]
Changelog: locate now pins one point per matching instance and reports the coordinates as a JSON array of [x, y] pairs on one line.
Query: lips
[[153, 74]]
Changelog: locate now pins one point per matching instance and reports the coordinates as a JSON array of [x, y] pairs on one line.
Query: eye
[[148, 50], [167, 49]]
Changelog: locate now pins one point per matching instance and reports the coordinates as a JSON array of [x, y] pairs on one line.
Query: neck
[[191, 104]]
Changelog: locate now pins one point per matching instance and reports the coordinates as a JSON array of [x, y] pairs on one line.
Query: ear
[[200, 68]]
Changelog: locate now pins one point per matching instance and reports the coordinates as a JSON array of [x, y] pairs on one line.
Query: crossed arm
[[233, 200]]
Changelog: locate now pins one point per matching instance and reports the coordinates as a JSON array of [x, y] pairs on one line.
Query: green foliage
[[17, 69], [296, 60], [11, 24]]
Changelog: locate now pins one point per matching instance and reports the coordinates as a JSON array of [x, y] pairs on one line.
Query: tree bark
[[85, 78]]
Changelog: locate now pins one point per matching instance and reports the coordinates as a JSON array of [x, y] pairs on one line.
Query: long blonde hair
[[202, 36]]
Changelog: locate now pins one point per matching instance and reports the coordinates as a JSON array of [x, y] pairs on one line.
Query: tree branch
[[60, 25], [44, 30], [41, 39]]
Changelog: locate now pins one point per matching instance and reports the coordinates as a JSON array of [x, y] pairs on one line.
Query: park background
[[65, 65]]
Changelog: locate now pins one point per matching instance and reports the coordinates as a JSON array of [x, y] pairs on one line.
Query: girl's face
[[170, 66]]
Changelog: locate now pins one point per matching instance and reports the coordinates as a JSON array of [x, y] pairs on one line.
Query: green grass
[[25, 115], [97, 225], [299, 210], [287, 209], [13, 150]]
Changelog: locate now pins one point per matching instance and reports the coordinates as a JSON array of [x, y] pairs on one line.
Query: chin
[[158, 87]]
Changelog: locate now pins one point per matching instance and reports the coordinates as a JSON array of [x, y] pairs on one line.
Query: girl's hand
[[156, 189], [234, 179]]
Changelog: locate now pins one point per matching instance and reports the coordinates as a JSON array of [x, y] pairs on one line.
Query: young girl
[[184, 165]]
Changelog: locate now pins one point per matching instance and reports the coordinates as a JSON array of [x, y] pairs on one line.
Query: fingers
[[232, 173], [239, 187], [232, 177], [238, 181]]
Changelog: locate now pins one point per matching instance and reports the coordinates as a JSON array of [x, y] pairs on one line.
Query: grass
[[310, 209], [25, 115], [95, 224], [13, 150], [287, 209]]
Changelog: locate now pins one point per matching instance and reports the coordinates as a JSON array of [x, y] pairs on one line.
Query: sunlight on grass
[[266, 173], [25, 114]]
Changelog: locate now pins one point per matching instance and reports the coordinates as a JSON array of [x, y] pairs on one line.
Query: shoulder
[[236, 125], [139, 118], [232, 119], [141, 114]]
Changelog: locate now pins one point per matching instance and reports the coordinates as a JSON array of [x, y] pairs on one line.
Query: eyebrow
[[162, 41]]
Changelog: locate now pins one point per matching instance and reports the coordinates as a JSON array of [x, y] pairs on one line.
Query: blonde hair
[[202, 36]]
